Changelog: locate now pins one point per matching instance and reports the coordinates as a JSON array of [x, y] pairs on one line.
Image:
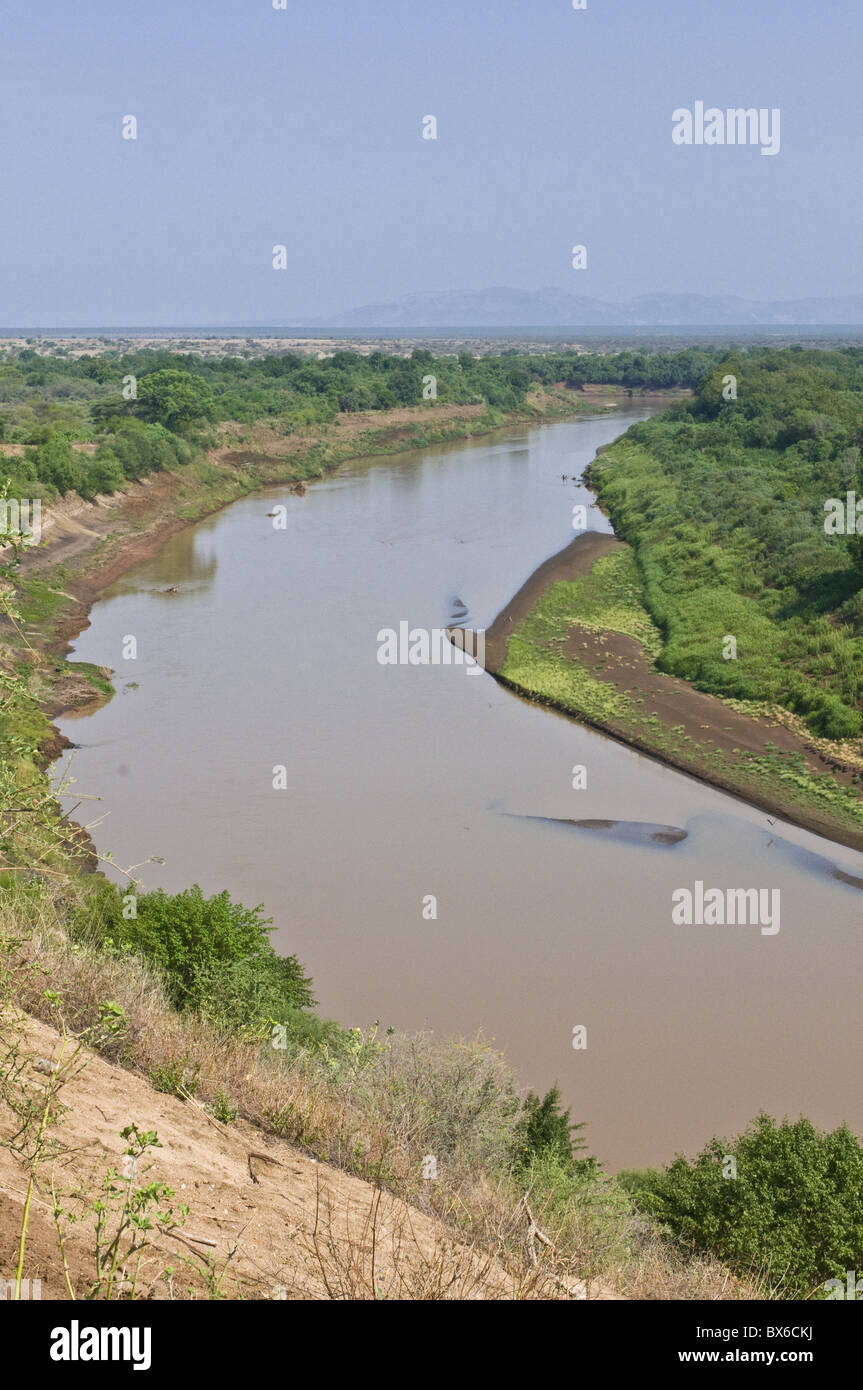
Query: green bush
[[833, 719], [304, 1031], [544, 1130], [57, 463], [243, 994], [793, 1212], [104, 474], [175, 1076], [223, 1109], [215, 955], [146, 448], [175, 398], [581, 1209]]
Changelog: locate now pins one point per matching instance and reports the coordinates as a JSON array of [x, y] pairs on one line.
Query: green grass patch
[[40, 600], [606, 599]]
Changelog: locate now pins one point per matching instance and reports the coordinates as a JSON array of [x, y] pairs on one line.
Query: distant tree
[[405, 381], [174, 398], [57, 463], [103, 474], [97, 368]]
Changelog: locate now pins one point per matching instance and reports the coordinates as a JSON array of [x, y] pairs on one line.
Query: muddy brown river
[[405, 782]]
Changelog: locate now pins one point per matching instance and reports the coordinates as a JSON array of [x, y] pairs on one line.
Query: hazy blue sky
[[303, 126]]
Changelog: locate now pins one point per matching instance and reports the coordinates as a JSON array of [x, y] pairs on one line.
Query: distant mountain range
[[500, 307]]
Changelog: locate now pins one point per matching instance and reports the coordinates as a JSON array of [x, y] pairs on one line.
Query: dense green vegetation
[[724, 503], [144, 411], [188, 936], [215, 957], [56, 391], [784, 1199]]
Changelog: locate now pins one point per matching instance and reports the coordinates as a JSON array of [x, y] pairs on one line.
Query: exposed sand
[[299, 1229]]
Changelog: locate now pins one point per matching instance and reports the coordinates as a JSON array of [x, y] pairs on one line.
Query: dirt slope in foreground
[[298, 1229]]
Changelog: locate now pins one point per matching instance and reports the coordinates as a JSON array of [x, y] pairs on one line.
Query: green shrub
[[174, 1077], [793, 1212], [581, 1208], [544, 1130], [175, 398], [242, 994], [307, 1031], [104, 474], [223, 1109], [833, 719], [215, 954], [57, 463]]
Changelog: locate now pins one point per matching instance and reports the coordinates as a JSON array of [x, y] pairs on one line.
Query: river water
[[409, 781]]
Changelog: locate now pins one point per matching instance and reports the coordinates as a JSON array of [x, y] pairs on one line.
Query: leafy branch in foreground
[[124, 1218]]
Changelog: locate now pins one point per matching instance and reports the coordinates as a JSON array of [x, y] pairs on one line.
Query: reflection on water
[[196, 565], [408, 781]]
